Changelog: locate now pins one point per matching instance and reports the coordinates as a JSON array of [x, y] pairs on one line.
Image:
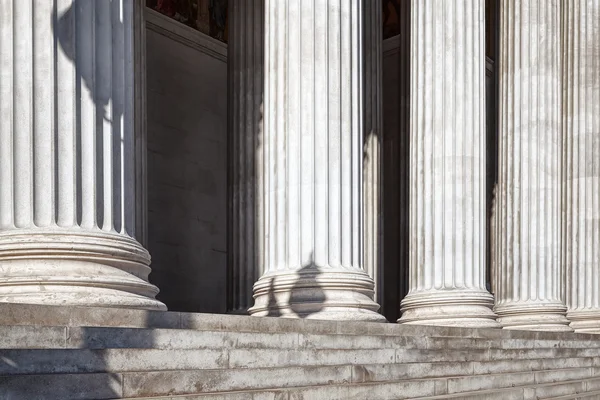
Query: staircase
[[78, 353]]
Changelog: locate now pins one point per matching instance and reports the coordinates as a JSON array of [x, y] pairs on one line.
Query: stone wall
[[187, 170]]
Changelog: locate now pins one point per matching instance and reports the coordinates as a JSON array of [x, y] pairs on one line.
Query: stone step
[[116, 360], [388, 372], [48, 337], [575, 388], [549, 390], [499, 381], [421, 390], [67, 316], [445, 379], [61, 387], [579, 396], [157, 383], [541, 364]]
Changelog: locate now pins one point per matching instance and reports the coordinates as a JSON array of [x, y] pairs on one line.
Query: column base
[[316, 293], [545, 317], [75, 267], [585, 321], [457, 308]]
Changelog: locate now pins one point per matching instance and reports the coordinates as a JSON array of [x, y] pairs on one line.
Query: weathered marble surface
[[67, 167], [447, 167], [581, 124], [314, 129], [529, 268]]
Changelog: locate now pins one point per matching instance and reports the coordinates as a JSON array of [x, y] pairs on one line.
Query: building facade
[[470, 196], [172, 171]]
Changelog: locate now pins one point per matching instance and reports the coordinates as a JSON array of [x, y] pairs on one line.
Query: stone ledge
[[69, 316]]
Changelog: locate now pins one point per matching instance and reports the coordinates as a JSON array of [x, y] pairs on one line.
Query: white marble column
[[581, 123], [245, 118], [528, 252], [67, 165], [447, 160], [314, 111]]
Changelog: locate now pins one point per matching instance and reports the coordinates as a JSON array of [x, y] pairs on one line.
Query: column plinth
[[317, 293], [581, 123], [470, 309], [313, 149], [447, 167], [528, 254], [67, 169]]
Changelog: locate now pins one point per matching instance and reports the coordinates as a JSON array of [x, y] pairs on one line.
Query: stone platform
[[84, 353]]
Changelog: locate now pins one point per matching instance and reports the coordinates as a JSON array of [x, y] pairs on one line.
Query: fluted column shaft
[[447, 158], [67, 144], [528, 205], [313, 162], [581, 123], [245, 117]]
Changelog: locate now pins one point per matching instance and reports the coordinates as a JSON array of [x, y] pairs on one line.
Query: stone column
[[246, 84], [447, 160], [582, 140], [528, 203], [67, 165], [314, 111]]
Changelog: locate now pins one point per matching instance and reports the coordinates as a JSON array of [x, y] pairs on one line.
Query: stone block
[[395, 372], [111, 360], [159, 383], [341, 341], [594, 383], [61, 387], [553, 390], [418, 355], [32, 337], [390, 390], [251, 358], [97, 338], [562, 375], [492, 381], [322, 393], [533, 353], [505, 366], [503, 394]]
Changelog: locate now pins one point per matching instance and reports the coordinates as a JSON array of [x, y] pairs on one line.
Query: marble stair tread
[[553, 390], [116, 360], [69, 316], [68, 337], [579, 396], [393, 390], [140, 384]]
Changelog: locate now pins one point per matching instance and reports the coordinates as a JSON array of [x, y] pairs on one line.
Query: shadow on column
[[301, 300], [246, 190], [90, 53]]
